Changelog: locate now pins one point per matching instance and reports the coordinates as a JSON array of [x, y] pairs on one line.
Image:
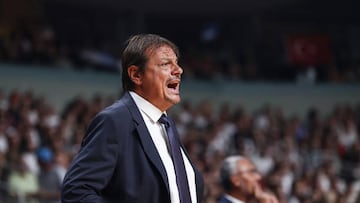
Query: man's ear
[[135, 74]]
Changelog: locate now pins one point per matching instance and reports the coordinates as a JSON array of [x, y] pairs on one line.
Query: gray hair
[[229, 168]]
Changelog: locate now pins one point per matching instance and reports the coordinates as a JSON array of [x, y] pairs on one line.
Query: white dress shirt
[[157, 131]]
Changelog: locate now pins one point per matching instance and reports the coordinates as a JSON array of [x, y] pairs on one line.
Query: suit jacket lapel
[[145, 138]]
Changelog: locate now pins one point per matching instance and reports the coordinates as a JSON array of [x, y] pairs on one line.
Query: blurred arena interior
[[274, 80]]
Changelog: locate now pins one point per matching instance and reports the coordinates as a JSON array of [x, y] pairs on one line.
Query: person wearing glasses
[[242, 182]]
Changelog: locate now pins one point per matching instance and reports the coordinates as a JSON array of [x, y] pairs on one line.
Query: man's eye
[[165, 64]]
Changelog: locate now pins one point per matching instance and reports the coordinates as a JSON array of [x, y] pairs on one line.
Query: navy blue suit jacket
[[223, 199], [118, 161]]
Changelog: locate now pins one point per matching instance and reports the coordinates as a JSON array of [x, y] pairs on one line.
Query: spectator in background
[[22, 183], [299, 140], [4, 172], [49, 180], [242, 182]]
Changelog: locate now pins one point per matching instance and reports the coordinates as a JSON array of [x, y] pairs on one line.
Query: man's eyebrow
[[169, 58]]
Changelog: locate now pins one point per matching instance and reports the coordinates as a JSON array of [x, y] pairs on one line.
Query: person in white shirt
[[131, 151]]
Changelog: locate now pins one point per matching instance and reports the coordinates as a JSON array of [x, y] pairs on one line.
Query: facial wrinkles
[[167, 56], [159, 74]]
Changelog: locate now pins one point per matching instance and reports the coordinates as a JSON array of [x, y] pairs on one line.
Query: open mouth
[[172, 85]]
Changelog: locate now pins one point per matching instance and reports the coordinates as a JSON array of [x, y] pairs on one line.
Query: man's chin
[[174, 99]]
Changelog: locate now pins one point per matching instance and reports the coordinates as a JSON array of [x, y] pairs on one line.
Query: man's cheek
[[261, 184]]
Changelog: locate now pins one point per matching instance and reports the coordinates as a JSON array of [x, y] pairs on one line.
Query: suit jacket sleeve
[[92, 168]]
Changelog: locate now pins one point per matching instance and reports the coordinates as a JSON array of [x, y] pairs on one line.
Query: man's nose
[[177, 70]]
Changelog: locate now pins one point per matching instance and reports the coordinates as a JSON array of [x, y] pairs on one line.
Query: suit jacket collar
[[145, 138], [225, 198]]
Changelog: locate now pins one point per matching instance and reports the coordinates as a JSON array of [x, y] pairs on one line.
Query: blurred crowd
[[40, 45], [311, 159]]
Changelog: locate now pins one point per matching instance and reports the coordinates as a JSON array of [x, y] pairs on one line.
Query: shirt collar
[[146, 107], [233, 199]]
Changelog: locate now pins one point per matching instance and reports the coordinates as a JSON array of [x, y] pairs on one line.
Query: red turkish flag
[[309, 49]]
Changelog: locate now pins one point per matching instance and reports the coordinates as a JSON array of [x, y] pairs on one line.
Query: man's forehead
[[162, 51], [244, 165]]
